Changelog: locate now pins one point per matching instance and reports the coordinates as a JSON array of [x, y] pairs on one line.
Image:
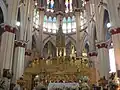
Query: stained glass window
[[64, 26], [54, 25], [68, 4], [73, 24], [45, 24], [50, 5], [69, 24]]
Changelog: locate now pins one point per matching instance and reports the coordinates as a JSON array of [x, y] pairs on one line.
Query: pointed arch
[[49, 38], [70, 39], [4, 10]]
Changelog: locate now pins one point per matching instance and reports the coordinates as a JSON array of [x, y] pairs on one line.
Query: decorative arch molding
[[83, 40], [70, 39], [49, 38], [4, 10]]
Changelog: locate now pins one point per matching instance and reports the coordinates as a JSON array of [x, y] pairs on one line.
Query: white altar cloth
[[63, 86]]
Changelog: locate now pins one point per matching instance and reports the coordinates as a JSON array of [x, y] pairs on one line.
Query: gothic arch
[[84, 38], [49, 38], [70, 39], [105, 21], [4, 10]]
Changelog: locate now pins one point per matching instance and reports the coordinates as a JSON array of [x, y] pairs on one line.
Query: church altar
[[63, 86]]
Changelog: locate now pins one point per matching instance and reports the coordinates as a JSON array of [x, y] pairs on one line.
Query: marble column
[[41, 17], [103, 54], [103, 57], [7, 41], [116, 45], [94, 59], [77, 15], [6, 51], [7, 45], [115, 30], [29, 29], [30, 24], [19, 55]]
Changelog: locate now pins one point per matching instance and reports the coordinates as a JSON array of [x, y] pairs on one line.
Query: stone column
[[115, 30], [103, 54], [116, 45], [41, 17], [30, 25], [7, 41], [77, 14], [103, 57], [7, 45], [94, 59], [18, 68], [29, 29], [19, 55]]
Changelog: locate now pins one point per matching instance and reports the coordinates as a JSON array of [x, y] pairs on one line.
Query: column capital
[[102, 45], [59, 13], [20, 44], [92, 53], [78, 10], [8, 28], [87, 0], [115, 31], [41, 8], [28, 52]]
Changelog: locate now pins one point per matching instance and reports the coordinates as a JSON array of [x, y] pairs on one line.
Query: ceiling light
[[36, 3], [37, 76], [108, 25], [18, 23]]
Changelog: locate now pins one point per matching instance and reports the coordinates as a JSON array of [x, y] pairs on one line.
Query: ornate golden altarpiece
[[59, 68]]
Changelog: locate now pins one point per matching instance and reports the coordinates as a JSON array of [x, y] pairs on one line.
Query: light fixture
[[18, 23], [37, 76], [108, 25], [84, 54], [36, 3]]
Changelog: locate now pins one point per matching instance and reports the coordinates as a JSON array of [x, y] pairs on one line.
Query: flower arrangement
[[84, 83], [113, 81]]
